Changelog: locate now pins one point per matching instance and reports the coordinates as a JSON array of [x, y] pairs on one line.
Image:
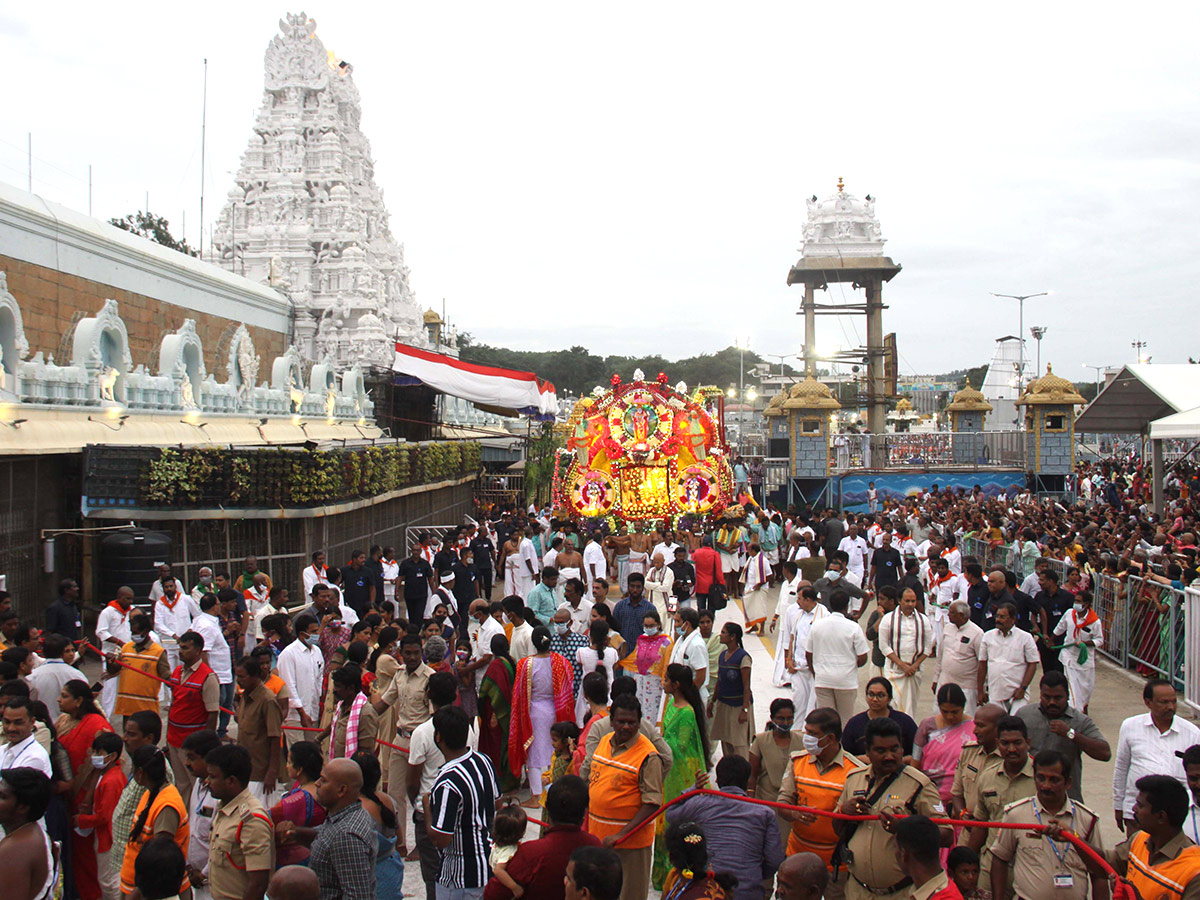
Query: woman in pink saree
[[940, 739]]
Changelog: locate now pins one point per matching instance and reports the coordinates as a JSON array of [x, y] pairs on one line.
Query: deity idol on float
[[645, 450]]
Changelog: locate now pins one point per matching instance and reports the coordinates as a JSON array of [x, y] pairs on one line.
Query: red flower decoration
[[616, 380], [662, 378]]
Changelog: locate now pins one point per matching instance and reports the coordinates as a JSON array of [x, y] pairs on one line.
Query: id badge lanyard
[[1062, 860]]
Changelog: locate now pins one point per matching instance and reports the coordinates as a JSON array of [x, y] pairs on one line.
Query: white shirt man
[[302, 666], [549, 558], [314, 574], [27, 752], [1147, 747], [112, 633], [667, 549], [594, 564], [958, 654], [835, 648], [216, 648], [391, 571], [906, 641], [530, 565], [172, 617], [856, 548], [481, 642], [47, 680], [423, 752], [807, 613], [581, 615], [1008, 656], [692, 651]]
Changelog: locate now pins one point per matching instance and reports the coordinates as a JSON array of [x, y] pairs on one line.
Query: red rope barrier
[[1080, 845]]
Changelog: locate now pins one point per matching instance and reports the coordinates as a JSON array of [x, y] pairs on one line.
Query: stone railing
[[970, 450]]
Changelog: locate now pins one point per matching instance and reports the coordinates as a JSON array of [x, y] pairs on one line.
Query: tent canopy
[[1183, 425], [1138, 395], [503, 391]]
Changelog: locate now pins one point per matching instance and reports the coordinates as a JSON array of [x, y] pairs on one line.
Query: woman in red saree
[[79, 723], [495, 711], [541, 696]]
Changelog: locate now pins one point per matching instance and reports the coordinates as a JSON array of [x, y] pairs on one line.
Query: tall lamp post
[[1021, 298], [1038, 332], [1098, 369]]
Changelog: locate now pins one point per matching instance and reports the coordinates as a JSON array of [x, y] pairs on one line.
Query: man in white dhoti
[[906, 641], [112, 633], [530, 564], [786, 611], [756, 582], [943, 588], [1083, 635], [594, 564], [804, 691]]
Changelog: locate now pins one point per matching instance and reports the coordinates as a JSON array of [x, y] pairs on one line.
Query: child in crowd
[[508, 827], [963, 866], [564, 737], [97, 868], [202, 806]]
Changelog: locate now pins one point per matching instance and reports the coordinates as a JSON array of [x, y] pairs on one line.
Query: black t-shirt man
[[888, 565], [416, 574], [484, 551], [356, 589]]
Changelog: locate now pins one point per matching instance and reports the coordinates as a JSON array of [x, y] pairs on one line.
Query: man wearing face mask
[[809, 611], [302, 667], [814, 777], [141, 661], [566, 642], [834, 579]]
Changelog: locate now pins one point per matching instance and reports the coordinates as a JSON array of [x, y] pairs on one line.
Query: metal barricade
[[1155, 629], [1108, 601], [1191, 666]]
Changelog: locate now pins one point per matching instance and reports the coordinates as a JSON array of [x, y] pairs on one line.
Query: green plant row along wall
[[209, 477]]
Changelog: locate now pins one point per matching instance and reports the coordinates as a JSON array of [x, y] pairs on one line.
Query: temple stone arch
[[13, 345], [100, 347]]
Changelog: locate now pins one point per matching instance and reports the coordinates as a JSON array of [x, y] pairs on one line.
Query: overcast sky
[[631, 176]]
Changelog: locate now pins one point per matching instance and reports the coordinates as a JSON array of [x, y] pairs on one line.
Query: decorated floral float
[[645, 450]]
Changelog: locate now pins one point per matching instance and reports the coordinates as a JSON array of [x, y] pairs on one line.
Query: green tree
[[155, 228], [539, 463]]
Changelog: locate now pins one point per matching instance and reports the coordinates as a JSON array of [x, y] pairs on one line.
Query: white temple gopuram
[[305, 215]]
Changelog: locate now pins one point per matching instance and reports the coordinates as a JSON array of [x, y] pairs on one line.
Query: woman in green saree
[[495, 711], [683, 729]]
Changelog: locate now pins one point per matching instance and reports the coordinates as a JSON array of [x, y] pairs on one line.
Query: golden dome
[[1050, 389], [775, 407], [969, 400], [811, 394], [904, 405], [432, 318]]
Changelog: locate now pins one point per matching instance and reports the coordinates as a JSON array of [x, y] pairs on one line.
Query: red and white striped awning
[[501, 390]]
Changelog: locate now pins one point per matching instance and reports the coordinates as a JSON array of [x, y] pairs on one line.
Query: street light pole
[[1038, 332], [1021, 298], [1098, 370]]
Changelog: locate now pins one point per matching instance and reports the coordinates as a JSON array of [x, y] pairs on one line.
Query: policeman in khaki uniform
[[999, 786], [242, 842], [887, 787], [1043, 867], [977, 756]]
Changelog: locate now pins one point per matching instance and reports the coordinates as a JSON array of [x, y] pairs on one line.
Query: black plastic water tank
[[128, 559]]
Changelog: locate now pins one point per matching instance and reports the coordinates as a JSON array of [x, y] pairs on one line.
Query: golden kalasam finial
[[841, 185]]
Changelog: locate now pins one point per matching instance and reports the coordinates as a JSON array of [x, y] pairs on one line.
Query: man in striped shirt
[[459, 809]]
